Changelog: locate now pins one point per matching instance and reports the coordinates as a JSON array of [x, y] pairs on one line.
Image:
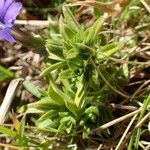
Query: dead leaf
[[101, 6], [10, 94]]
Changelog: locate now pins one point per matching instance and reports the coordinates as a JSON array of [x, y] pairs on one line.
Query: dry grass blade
[[135, 128], [113, 122], [99, 5], [119, 146], [10, 147], [146, 5], [36, 23], [139, 89], [142, 121], [10, 94]]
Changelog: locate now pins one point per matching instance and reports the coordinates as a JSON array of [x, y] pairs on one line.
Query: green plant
[[80, 75], [96, 75]]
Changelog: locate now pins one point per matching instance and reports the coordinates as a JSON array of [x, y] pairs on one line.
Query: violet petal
[[7, 4], [4, 34], [1, 7], [11, 13]]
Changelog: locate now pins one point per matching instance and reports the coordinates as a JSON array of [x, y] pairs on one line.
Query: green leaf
[[72, 53], [92, 109], [44, 123], [61, 27], [43, 92], [80, 95], [59, 99], [71, 106], [21, 130], [21, 139], [70, 19], [68, 122], [5, 74], [94, 31], [70, 33], [55, 66], [66, 74], [108, 50], [138, 133], [86, 132], [59, 91], [48, 115], [49, 119], [8, 132], [32, 88], [125, 69], [47, 130], [55, 46], [75, 63], [47, 103]]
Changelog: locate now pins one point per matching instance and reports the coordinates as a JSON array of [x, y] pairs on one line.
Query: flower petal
[[4, 5], [8, 3], [4, 34], [11, 13], [1, 7]]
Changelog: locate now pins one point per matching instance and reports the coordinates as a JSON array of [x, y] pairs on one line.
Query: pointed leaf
[[71, 106], [70, 19], [53, 67], [108, 50], [94, 31], [7, 131]]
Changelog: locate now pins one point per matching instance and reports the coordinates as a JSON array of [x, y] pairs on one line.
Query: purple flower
[[9, 10]]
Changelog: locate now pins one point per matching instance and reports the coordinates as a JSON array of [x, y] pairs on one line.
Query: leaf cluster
[[80, 76]]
